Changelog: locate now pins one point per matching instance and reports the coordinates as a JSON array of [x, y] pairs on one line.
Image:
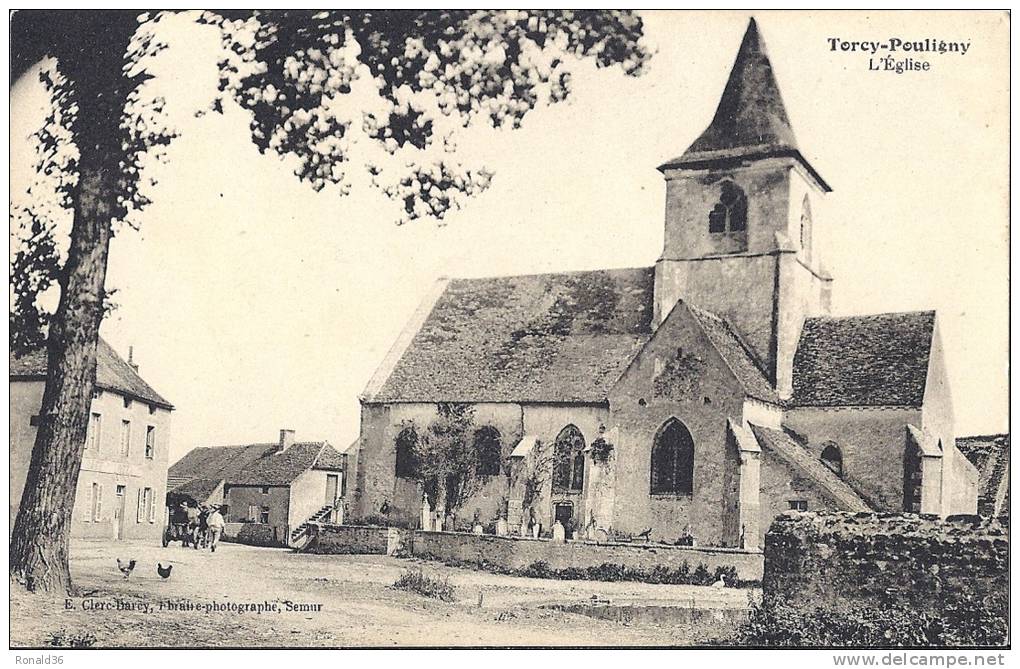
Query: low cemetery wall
[[513, 553]]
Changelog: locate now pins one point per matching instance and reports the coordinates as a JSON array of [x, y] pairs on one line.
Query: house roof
[[751, 120], [255, 464], [877, 360], [564, 337], [800, 458], [198, 489], [736, 354], [990, 456], [113, 373]]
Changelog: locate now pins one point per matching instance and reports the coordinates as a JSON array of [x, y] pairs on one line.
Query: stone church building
[[689, 401]]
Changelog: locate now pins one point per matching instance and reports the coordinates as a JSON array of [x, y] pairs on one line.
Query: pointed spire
[[751, 120]]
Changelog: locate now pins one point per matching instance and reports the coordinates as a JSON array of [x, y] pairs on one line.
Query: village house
[[123, 468], [990, 455], [688, 401], [283, 485]]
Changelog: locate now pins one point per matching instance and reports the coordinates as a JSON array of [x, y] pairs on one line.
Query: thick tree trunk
[[39, 541]]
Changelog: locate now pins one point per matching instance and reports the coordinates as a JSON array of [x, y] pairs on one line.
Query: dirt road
[[243, 596]]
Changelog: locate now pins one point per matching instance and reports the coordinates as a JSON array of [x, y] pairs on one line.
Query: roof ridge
[[878, 315], [559, 273]]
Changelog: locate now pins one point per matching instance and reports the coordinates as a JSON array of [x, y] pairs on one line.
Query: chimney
[[131, 358], [286, 440]]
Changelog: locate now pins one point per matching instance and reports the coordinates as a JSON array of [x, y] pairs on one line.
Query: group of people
[[203, 524]]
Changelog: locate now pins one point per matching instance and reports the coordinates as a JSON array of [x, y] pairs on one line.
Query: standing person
[[193, 524], [216, 524], [203, 525]]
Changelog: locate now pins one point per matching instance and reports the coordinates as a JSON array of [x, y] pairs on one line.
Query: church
[[691, 401]]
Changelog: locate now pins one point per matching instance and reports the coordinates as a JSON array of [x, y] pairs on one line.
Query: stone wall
[[253, 534], [840, 559], [357, 539], [520, 553], [702, 399]]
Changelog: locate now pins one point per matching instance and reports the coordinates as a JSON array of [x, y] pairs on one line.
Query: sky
[[254, 303]]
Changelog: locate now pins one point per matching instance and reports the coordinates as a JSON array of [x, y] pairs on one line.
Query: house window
[[150, 441], [34, 421], [730, 213], [265, 490], [833, 458], [96, 502], [264, 515], [253, 513], [125, 438], [798, 505], [488, 450], [146, 506], [127, 402], [406, 442], [672, 460], [94, 432], [568, 460]]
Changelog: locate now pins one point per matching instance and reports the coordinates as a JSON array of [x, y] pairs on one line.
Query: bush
[[415, 580], [65, 639], [965, 622]]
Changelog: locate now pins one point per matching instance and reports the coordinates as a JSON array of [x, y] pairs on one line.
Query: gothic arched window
[[673, 460], [568, 460], [730, 213], [488, 450], [832, 457], [406, 441], [805, 227]]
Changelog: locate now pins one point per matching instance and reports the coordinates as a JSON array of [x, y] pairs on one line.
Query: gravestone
[[501, 527], [559, 534]]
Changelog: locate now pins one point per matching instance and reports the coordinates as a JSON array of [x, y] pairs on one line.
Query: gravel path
[[334, 600]]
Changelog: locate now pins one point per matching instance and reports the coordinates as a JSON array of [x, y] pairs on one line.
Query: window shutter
[[99, 503], [138, 516], [152, 506]]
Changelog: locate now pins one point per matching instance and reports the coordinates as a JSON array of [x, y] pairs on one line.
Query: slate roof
[[990, 456], [800, 458], [255, 464], [564, 337], [877, 360], [113, 373], [737, 355], [198, 489], [751, 120]]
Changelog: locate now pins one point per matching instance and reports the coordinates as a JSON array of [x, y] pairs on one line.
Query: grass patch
[[65, 639], [607, 571], [415, 580]]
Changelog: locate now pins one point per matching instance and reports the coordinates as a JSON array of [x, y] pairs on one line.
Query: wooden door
[[118, 514], [332, 485]]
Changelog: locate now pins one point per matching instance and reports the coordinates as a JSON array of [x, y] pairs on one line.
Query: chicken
[[126, 569], [721, 583], [164, 571]]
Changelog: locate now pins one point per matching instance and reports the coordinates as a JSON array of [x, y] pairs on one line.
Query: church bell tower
[[738, 228]]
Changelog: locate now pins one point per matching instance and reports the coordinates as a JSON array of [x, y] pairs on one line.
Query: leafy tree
[[446, 464], [295, 71]]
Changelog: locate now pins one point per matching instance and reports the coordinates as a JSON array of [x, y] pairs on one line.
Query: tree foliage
[[318, 85], [446, 464]]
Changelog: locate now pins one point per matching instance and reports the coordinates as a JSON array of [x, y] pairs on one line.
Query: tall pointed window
[[406, 442], [730, 213], [568, 460], [672, 460], [488, 450]]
